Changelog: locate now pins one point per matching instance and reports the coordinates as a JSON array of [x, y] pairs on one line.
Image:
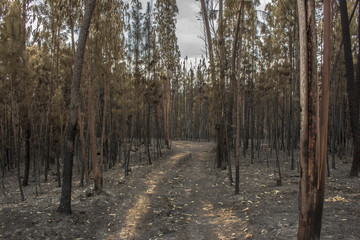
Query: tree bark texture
[[221, 104], [321, 164], [352, 89], [308, 98], [65, 200], [27, 152], [238, 96], [92, 128], [167, 110], [16, 145], [103, 131], [213, 80], [83, 149]]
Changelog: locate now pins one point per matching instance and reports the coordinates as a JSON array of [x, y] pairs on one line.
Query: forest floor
[[181, 196]]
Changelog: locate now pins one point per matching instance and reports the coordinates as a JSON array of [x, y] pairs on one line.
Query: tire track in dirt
[[212, 217], [133, 219], [180, 196], [181, 200]]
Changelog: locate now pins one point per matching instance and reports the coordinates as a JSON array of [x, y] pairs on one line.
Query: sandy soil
[[181, 196]]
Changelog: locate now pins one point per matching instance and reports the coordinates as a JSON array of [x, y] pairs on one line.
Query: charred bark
[[65, 200]]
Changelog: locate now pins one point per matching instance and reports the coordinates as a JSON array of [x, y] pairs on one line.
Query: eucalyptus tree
[[53, 25], [12, 37], [221, 150], [321, 153], [149, 35], [115, 52], [136, 40], [314, 120], [39, 77], [209, 40], [165, 16], [136, 47], [3, 149], [148, 61], [190, 103], [51, 35], [353, 88], [65, 200], [237, 35], [4, 146], [279, 48], [106, 67], [183, 100], [308, 101], [249, 65]]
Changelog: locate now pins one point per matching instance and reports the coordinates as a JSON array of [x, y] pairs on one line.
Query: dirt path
[[179, 199], [181, 196]]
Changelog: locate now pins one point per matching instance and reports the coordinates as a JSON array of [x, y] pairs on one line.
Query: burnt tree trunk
[[352, 88], [213, 81], [65, 200], [322, 151], [238, 32], [308, 100], [27, 152], [148, 142]]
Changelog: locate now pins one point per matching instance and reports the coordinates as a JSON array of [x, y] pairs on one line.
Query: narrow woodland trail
[[179, 199], [180, 196]]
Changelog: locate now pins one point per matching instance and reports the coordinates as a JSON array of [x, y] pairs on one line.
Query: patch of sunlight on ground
[[141, 207], [225, 220], [336, 199]]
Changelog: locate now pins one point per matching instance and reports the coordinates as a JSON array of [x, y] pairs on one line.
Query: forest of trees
[[286, 79]]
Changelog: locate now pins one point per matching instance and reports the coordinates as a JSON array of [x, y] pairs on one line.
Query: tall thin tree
[[324, 117], [212, 76], [71, 130], [238, 100], [308, 102], [352, 88]]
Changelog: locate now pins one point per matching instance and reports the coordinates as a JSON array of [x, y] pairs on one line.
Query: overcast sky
[[189, 28]]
